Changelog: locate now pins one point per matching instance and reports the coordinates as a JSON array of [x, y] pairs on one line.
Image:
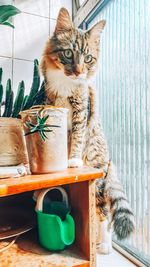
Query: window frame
[[87, 11]]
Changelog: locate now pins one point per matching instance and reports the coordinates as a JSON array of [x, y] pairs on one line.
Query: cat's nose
[[78, 69]]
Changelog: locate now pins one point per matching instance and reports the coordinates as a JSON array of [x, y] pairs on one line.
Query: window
[[81, 2], [123, 84]]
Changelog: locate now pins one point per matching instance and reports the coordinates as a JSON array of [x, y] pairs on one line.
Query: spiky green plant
[[41, 127], [6, 12], [24, 101], [19, 100], [35, 97], [1, 96], [8, 100], [34, 87], [40, 96]]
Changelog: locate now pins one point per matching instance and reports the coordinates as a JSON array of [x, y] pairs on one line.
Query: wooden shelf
[[27, 252], [11, 186], [80, 186]]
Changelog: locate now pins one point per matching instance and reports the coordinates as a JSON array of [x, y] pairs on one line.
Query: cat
[[68, 63]]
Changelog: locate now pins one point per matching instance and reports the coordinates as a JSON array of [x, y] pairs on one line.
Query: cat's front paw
[[104, 248], [75, 162]]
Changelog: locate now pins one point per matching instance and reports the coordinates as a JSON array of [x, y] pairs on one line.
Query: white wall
[[19, 47]]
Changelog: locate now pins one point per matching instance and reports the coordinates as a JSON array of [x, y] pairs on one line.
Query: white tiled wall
[[20, 46]]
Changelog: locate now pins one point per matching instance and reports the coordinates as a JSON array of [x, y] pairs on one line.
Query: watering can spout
[[67, 230]]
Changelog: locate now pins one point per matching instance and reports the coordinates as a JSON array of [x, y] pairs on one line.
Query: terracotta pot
[[50, 155], [12, 142]]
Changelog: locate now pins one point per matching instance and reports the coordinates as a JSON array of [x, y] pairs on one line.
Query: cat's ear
[[64, 22], [95, 31]]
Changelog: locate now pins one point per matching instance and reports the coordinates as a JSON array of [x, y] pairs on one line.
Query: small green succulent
[[40, 127]]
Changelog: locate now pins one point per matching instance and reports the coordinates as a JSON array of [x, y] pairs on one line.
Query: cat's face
[[73, 51]]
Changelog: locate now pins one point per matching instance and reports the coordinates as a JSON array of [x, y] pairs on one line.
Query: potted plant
[[13, 148], [11, 137], [46, 137], [45, 128]]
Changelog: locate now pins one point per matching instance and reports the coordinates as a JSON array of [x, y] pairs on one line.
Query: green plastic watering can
[[56, 227]]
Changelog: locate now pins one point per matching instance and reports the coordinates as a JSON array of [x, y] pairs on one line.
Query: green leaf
[[19, 100], [9, 105], [45, 135], [39, 120], [1, 72], [34, 129], [1, 93], [44, 119], [7, 11], [7, 24], [47, 130], [35, 85], [29, 124], [42, 135], [49, 125], [31, 133], [40, 127], [36, 79], [7, 98], [40, 97], [1, 96], [24, 102]]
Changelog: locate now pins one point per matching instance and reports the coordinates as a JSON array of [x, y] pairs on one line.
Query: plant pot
[[56, 227], [50, 155], [13, 148]]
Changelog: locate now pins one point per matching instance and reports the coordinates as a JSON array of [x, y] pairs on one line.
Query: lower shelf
[[27, 252]]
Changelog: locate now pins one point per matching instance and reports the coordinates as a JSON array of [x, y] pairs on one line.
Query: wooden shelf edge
[[11, 186]]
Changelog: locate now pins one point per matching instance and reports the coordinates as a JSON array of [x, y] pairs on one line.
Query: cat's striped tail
[[122, 215]]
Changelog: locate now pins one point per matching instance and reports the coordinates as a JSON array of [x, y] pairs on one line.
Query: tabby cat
[[69, 61]]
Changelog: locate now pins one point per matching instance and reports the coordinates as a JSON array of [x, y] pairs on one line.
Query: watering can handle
[[40, 198]]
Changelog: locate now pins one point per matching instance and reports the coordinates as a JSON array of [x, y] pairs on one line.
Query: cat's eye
[[68, 53], [88, 58]]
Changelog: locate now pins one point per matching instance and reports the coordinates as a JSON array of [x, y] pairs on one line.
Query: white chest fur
[[63, 87], [59, 83]]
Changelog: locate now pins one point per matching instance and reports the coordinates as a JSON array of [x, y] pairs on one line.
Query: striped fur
[[69, 60]]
